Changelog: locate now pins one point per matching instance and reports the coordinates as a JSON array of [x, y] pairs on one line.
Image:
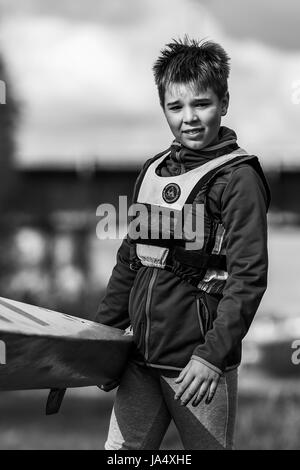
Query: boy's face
[[194, 116]]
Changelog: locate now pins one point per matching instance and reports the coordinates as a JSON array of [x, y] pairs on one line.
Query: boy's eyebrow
[[170, 103], [206, 98]]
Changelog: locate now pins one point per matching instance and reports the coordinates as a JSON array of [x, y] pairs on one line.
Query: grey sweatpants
[[145, 405]]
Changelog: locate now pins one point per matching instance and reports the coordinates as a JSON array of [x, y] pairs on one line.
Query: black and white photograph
[[150, 227]]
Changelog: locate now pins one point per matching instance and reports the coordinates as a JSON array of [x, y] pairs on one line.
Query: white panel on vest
[[153, 185]]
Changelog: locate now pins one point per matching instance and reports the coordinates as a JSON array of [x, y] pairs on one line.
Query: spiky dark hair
[[202, 63]]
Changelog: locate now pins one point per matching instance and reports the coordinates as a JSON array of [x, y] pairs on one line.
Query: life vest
[[170, 211]]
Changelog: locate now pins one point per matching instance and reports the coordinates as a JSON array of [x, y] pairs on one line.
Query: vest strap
[[200, 260]]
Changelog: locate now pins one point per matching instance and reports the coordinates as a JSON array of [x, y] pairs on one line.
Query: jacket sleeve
[[243, 212], [113, 308]]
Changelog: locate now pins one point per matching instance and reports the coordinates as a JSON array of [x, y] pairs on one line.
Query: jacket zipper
[[199, 317], [148, 304], [206, 314]]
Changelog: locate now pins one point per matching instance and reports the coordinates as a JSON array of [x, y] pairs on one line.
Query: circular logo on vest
[[171, 193]]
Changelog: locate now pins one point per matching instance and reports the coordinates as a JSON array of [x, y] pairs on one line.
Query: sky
[[82, 73]]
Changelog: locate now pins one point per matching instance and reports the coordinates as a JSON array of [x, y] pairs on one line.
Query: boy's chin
[[193, 145]]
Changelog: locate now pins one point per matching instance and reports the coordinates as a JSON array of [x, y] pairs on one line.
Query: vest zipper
[[148, 304]]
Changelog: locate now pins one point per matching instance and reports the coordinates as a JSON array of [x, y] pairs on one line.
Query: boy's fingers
[[201, 394], [180, 377], [211, 392], [191, 391], [183, 386], [182, 374], [181, 390]]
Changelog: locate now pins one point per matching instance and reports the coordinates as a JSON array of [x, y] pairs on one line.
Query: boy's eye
[[202, 104], [175, 108]]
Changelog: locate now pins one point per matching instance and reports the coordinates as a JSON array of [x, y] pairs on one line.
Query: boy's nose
[[190, 115]]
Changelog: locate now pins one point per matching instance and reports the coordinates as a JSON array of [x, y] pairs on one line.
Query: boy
[[189, 305]]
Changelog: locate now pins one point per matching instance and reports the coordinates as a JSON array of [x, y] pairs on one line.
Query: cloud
[[262, 106], [114, 12], [88, 90], [270, 22]]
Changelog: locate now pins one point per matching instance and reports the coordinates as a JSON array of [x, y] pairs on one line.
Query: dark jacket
[[172, 320]]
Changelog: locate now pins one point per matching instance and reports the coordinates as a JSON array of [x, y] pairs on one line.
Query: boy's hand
[[196, 380]]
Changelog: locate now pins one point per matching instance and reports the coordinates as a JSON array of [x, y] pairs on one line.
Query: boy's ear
[[225, 103]]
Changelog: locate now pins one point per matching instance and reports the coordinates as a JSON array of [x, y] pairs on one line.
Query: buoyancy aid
[[173, 229]]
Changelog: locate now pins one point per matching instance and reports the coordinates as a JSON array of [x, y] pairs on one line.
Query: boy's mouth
[[194, 132]]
